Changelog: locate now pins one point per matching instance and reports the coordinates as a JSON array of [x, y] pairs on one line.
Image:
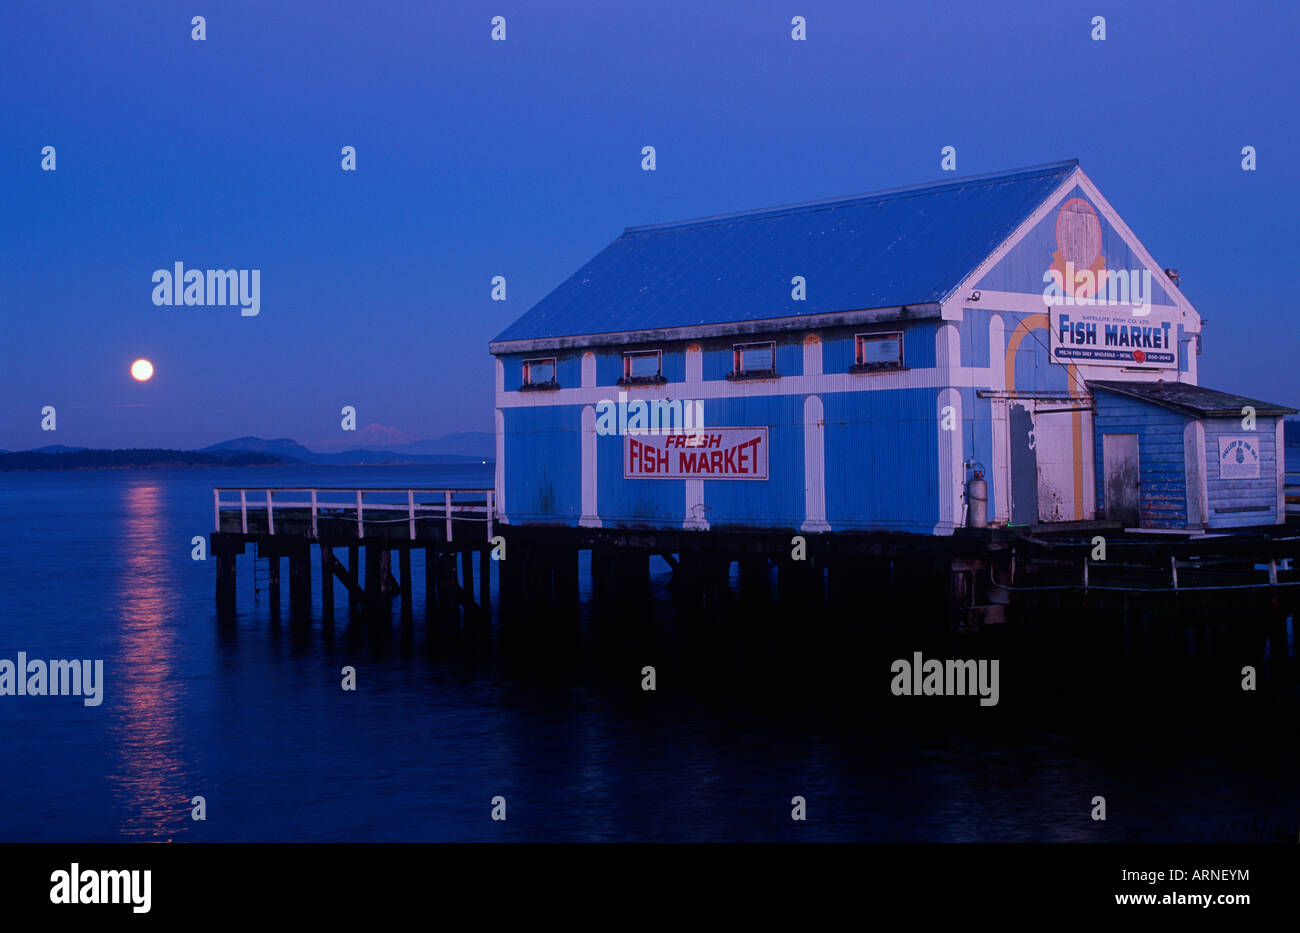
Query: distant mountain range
[[373, 444], [377, 447]]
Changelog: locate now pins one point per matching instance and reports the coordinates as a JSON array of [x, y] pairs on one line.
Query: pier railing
[[387, 506]]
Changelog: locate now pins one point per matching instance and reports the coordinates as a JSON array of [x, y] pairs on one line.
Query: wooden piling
[[1279, 653], [565, 569], [448, 587], [371, 585], [404, 559], [755, 581], [467, 582], [797, 582], [356, 594], [326, 582], [386, 587], [840, 583], [604, 576], [631, 585], [273, 581], [510, 583], [378, 587], [225, 582], [430, 579], [300, 580], [539, 577]]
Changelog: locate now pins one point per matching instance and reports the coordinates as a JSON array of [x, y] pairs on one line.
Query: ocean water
[[250, 715]]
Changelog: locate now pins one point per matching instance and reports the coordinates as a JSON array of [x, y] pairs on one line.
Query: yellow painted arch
[[1041, 322]]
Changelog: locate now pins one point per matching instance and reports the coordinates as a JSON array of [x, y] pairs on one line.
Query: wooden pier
[[1246, 582], [285, 522], [1227, 595]]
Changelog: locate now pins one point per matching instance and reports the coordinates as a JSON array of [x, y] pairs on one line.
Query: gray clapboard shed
[[1174, 455]]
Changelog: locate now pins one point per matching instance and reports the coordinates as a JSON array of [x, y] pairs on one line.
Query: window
[[540, 374], [754, 361], [876, 352], [643, 367]]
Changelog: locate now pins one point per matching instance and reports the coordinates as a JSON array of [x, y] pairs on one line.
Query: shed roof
[[1190, 399], [903, 247]]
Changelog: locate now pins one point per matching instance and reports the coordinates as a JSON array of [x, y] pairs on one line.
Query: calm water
[[251, 716]]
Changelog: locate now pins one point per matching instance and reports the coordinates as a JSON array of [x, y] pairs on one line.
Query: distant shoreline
[[31, 461]]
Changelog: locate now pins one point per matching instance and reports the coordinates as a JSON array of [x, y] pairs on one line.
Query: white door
[[1054, 444]]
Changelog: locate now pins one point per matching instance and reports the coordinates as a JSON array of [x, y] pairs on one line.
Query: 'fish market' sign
[[711, 453], [1113, 337]]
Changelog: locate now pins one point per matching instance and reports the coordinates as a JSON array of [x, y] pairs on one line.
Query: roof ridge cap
[[1048, 168]]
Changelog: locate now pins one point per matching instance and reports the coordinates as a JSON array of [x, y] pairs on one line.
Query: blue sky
[[522, 158]]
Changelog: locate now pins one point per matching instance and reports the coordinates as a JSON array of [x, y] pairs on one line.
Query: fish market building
[[996, 349]]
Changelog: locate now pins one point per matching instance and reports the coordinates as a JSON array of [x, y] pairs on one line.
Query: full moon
[[142, 370]]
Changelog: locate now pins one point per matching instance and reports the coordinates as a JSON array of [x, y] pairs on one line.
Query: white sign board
[[1100, 335], [707, 453], [1238, 456]]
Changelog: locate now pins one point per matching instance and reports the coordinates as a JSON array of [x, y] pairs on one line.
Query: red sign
[[709, 453]]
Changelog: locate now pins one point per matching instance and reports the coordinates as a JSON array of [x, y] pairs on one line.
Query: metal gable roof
[[907, 246], [1190, 399]]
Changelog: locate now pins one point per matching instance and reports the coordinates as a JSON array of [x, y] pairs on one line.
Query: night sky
[[522, 158]]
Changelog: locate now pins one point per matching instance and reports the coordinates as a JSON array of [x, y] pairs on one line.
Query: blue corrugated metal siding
[[974, 330], [513, 367], [778, 502], [1035, 372], [881, 467], [609, 366], [568, 369], [632, 502], [977, 439], [882, 456], [910, 246], [839, 351], [717, 362], [1257, 495], [1162, 466], [675, 364], [543, 464], [918, 345]]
